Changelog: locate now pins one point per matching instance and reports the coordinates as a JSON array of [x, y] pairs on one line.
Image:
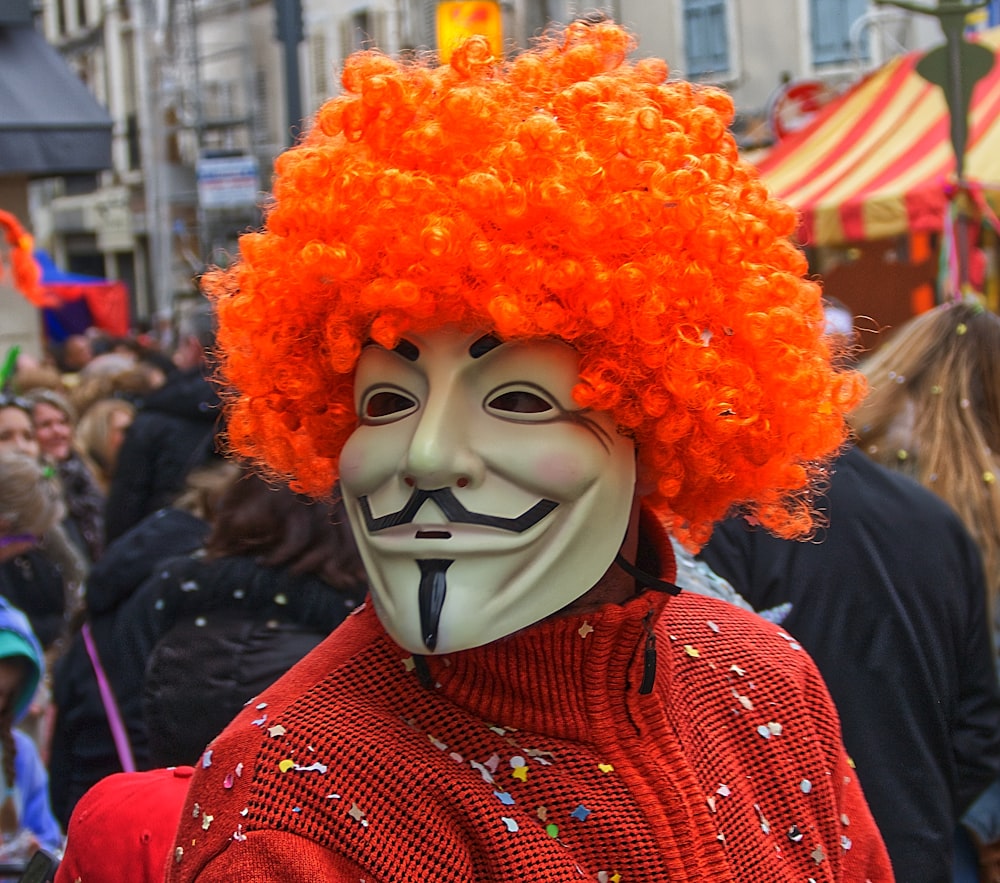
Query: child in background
[[26, 819]]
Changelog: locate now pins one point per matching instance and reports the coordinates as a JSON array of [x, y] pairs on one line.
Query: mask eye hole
[[520, 403], [385, 405]]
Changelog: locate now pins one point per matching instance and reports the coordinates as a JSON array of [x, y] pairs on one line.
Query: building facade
[[203, 95]]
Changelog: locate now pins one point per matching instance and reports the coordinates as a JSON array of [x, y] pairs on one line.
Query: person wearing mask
[[531, 313]]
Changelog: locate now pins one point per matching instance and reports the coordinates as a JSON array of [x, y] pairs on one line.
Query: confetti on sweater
[[356, 813], [585, 630], [692, 651], [512, 825], [312, 768], [581, 813], [276, 730]]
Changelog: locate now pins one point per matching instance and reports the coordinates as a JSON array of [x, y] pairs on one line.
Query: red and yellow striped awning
[[878, 161]]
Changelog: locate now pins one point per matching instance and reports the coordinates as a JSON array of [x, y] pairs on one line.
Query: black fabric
[[82, 749], [84, 522], [234, 659], [34, 584], [889, 600], [171, 434], [202, 637]]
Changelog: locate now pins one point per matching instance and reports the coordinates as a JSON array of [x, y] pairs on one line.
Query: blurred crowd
[[154, 586]]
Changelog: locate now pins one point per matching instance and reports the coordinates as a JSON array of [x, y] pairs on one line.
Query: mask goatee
[[433, 588]]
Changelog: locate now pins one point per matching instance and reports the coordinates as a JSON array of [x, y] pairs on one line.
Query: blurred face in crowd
[[54, 431], [17, 432], [482, 497], [77, 352], [118, 422]]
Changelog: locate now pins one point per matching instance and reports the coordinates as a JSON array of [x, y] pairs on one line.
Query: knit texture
[[537, 758]]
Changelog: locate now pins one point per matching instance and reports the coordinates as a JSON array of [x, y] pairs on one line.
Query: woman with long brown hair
[[934, 412]]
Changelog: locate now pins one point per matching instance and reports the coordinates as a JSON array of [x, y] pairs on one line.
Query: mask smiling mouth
[[454, 511], [433, 535]]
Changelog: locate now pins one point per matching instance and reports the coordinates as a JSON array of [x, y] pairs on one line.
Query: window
[[706, 37], [830, 27]]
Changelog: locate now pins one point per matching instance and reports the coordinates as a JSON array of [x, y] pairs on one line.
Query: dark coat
[[203, 637], [34, 583], [172, 433], [82, 750], [84, 522], [889, 600]]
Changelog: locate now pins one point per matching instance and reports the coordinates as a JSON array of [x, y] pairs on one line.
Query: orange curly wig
[[566, 193]]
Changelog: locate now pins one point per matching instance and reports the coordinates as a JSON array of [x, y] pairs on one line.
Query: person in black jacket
[[210, 630], [173, 432], [83, 750], [889, 600]]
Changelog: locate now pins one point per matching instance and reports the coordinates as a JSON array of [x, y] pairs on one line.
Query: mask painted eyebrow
[[485, 344]]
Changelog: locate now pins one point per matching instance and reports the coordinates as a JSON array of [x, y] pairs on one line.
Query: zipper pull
[[649, 657]]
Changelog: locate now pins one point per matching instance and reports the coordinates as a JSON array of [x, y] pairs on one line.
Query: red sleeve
[[276, 857]]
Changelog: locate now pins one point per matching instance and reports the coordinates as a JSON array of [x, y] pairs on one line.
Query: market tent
[[80, 302], [878, 161]]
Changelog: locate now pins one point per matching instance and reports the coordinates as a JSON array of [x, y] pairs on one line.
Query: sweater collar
[[558, 676]]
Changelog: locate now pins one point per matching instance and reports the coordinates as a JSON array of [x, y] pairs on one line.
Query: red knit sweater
[[537, 757]]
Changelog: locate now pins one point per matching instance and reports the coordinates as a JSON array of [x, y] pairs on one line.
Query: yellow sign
[[458, 20]]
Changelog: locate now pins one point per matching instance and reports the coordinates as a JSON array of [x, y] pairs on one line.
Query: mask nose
[[440, 453]]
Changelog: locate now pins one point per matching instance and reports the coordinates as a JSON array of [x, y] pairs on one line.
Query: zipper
[[649, 656]]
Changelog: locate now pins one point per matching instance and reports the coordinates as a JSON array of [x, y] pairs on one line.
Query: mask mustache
[[454, 511]]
